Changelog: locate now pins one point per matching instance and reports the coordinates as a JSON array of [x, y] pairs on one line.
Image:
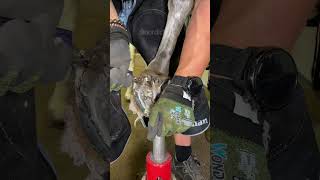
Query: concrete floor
[[50, 137]]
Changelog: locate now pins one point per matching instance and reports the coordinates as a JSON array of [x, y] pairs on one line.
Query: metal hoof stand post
[[158, 162]]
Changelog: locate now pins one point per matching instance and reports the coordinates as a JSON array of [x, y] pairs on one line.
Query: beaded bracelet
[[118, 23]]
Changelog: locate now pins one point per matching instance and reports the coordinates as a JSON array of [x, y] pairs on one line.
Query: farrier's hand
[[27, 58], [174, 112], [119, 58]]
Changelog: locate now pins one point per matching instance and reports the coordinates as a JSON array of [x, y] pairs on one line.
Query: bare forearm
[[195, 54], [261, 22], [113, 12]]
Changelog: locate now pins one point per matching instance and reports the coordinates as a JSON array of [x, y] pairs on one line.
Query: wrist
[[188, 73], [191, 84], [117, 23], [118, 31]]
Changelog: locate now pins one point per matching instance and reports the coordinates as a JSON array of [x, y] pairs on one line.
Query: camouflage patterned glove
[[174, 111]]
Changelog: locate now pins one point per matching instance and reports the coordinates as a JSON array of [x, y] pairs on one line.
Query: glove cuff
[[256, 73], [118, 31], [192, 85]]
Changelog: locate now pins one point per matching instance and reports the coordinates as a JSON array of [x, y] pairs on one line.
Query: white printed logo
[[186, 96], [200, 122]]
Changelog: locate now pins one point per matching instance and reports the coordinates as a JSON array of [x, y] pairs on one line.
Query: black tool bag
[[100, 111], [146, 25]]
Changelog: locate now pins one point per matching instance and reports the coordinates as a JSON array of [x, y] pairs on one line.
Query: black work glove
[[119, 57], [179, 109]]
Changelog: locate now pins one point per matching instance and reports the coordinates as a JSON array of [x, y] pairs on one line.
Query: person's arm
[[113, 12], [196, 48], [119, 52], [257, 23], [194, 60]]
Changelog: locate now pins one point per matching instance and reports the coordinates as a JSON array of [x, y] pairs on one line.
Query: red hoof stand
[[156, 171]]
